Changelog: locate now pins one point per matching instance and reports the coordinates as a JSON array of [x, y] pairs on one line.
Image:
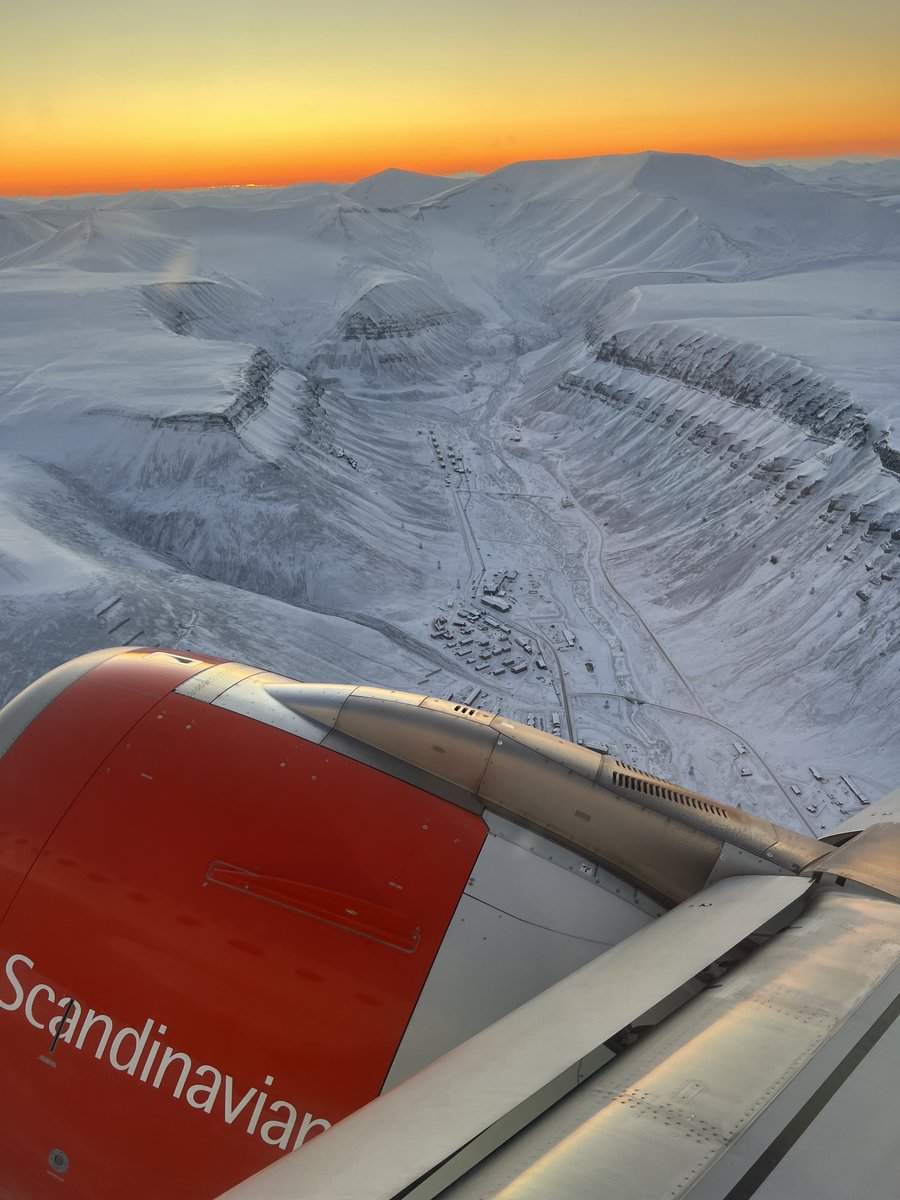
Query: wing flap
[[748, 1091]]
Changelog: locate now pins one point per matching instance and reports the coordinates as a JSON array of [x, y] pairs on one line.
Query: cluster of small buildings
[[483, 641], [564, 638], [496, 585], [454, 460], [494, 590]]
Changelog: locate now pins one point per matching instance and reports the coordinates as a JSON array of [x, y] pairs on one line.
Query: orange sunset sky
[[105, 96]]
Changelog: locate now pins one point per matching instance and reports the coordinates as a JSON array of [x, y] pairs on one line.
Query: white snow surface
[[878, 181], [296, 425]]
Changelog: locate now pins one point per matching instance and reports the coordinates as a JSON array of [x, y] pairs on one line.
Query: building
[[496, 602]]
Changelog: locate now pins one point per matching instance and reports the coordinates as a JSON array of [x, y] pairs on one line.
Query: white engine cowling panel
[[531, 914]]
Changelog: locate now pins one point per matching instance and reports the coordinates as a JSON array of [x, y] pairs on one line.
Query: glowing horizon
[[98, 99]]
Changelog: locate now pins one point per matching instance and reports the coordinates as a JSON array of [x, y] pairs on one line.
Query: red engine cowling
[[214, 932]]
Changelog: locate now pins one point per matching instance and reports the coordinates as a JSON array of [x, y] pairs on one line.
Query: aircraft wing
[[486, 962], [778, 1079]]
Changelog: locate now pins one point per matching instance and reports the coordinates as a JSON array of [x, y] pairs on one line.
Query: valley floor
[[307, 432]]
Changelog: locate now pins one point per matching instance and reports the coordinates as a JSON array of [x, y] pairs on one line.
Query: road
[[564, 551], [487, 437]]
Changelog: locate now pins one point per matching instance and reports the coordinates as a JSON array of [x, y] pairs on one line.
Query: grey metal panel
[[577, 759], [757, 836], [733, 860], [851, 1148], [686, 1110], [667, 858], [524, 923], [756, 1154], [458, 710], [320, 702], [574, 861], [253, 697], [537, 890], [208, 685], [398, 1139], [871, 857], [17, 715], [389, 695], [381, 761], [452, 747]]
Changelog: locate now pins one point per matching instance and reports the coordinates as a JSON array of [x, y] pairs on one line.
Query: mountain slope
[[657, 395]]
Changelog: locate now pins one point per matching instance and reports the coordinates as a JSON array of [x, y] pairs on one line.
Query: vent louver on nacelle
[[636, 781]]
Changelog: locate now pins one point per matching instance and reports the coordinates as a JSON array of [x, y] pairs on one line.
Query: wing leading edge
[[415, 1140], [778, 1078]]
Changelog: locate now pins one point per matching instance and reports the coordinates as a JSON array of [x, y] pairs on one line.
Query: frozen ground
[[652, 400]]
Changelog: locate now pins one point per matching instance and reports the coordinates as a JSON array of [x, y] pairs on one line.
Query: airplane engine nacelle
[[234, 908], [214, 932]]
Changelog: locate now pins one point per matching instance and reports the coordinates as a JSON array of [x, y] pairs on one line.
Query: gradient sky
[[105, 95]]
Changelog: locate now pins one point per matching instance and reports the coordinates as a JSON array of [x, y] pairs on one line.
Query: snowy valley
[[609, 445]]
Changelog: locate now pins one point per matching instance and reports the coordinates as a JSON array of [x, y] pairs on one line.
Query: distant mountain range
[[215, 416]]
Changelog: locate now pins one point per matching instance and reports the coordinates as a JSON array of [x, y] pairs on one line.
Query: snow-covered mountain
[[878, 180], [651, 398]]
